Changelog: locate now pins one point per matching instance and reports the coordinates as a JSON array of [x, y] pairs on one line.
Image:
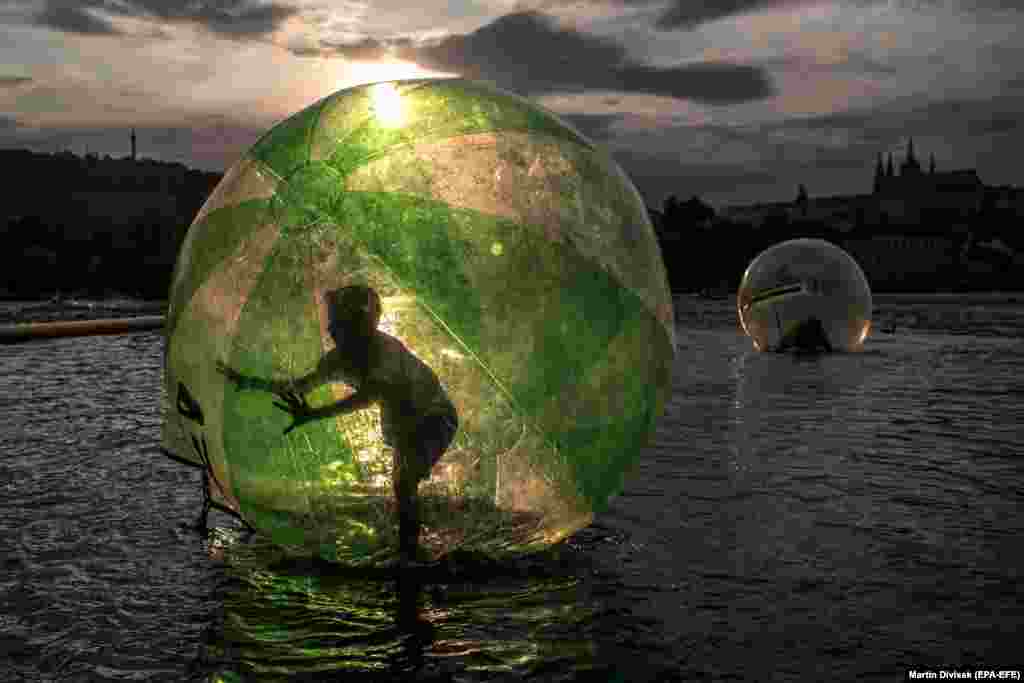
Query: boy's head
[[355, 309]]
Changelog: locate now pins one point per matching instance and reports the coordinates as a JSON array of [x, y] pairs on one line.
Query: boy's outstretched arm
[[320, 375], [301, 385], [248, 381], [295, 404]]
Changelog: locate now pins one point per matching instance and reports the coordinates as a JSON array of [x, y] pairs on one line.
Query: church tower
[[879, 174], [133, 144], [889, 173], [931, 165], [910, 167]]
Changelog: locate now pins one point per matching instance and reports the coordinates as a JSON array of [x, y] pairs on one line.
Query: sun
[[387, 104]]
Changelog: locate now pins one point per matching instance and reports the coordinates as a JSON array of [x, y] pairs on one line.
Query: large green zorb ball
[[513, 258], [793, 282]]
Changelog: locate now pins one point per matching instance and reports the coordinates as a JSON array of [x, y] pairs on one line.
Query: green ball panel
[[285, 147], [220, 234]]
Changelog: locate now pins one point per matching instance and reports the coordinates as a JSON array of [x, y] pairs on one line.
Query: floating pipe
[[12, 334]]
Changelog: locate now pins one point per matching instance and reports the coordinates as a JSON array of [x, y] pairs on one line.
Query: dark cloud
[[528, 53], [711, 83], [688, 14], [966, 6], [243, 19], [521, 46], [233, 18], [13, 81], [74, 17]]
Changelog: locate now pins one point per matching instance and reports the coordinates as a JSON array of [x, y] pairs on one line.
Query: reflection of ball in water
[[792, 284], [513, 258]]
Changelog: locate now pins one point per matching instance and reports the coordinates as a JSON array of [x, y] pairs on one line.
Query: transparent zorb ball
[[513, 259], [799, 288]]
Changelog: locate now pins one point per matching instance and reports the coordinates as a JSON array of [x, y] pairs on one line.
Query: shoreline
[[950, 297], [891, 298], [18, 311], [15, 311]]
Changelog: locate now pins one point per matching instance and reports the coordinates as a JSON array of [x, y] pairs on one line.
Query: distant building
[[913, 222], [911, 197], [913, 182]]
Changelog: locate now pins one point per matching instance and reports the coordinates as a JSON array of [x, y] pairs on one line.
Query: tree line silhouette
[[708, 253], [92, 226]]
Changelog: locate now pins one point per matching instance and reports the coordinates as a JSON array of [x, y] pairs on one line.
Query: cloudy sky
[[736, 101]]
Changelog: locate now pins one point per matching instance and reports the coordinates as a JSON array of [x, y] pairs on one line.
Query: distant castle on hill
[[913, 180], [913, 224], [914, 198]]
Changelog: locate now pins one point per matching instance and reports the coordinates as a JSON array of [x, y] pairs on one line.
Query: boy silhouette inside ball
[[418, 419], [807, 337]]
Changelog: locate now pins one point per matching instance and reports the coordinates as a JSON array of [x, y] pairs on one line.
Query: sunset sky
[[736, 101]]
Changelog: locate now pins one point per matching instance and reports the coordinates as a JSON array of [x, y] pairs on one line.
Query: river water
[[846, 517]]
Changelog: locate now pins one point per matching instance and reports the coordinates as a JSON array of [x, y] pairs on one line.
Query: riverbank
[[966, 298], [55, 310], [881, 298]]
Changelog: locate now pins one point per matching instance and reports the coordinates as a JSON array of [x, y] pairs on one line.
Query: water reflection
[[796, 403], [305, 619], [873, 522]]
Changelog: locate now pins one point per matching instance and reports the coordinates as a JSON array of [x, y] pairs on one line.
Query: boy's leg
[[406, 483], [413, 462]]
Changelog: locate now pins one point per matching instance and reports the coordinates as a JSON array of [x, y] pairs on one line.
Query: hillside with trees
[[94, 226], [706, 252], [98, 227]]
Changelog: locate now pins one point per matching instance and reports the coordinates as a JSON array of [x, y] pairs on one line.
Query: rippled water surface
[[831, 518]]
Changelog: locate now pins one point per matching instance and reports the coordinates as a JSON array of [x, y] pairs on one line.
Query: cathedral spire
[[910, 166], [889, 172], [133, 144], [879, 174], [931, 164]]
